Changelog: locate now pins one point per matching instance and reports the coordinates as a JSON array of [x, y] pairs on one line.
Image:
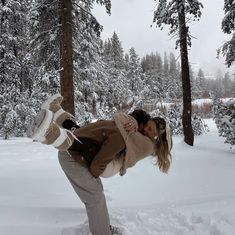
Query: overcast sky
[[131, 20]]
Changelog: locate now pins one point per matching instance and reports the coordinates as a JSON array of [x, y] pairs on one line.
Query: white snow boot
[[40, 125], [53, 104], [47, 132]]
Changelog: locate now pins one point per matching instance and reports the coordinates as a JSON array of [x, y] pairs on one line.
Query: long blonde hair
[[163, 145]]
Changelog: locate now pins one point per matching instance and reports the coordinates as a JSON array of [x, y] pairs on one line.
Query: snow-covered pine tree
[[134, 75], [164, 84], [13, 28], [117, 52], [228, 87], [174, 117], [199, 85], [219, 88], [66, 47], [172, 64], [48, 41], [166, 65], [45, 37], [90, 76], [174, 79], [199, 126], [117, 88], [154, 75], [106, 51], [152, 61], [224, 116], [228, 27]]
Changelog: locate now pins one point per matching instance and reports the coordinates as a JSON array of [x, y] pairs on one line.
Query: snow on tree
[[134, 72], [174, 117], [172, 64], [166, 64], [228, 27], [163, 83], [45, 34], [9, 124], [134, 76], [117, 52], [199, 85], [154, 77], [224, 116], [53, 36], [118, 93], [88, 66], [228, 85], [13, 26], [68, 26], [174, 79], [60, 49], [199, 126]]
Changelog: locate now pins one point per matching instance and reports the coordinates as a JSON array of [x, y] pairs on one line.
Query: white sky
[[131, 20]]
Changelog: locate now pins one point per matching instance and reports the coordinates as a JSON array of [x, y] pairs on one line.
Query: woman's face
[[150, 129]]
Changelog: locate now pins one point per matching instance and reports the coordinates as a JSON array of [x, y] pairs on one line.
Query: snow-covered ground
[[197, 197]]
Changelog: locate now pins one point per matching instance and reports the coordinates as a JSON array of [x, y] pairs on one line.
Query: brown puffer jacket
[[104, 134]]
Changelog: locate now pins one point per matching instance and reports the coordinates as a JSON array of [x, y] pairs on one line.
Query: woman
[[115, 143]]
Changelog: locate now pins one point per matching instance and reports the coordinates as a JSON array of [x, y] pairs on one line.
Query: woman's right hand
[[131, 126]]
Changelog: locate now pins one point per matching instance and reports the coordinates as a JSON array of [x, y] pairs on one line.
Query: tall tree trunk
[[66, 60], [187, 107]]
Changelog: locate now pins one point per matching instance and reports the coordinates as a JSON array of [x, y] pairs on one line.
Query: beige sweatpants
[[90, 191]]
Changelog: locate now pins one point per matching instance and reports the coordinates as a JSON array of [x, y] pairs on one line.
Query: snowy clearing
[[197, 197]]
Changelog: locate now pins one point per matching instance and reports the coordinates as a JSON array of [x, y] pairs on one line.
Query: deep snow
[[197, 197]]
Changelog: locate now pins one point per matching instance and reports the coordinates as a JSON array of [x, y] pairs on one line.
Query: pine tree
[[218, 84], [175, 86], [228, 27], [172, 64], [13, 26], [200, 86], [224, 115], [107, 51], [174, 13], [166, 64], [117, 52], [117, 88], [174, 117], [153, 72], [134, 73], [88, 66], [227, 85], [45, 35], [200, 78], [54, 25]]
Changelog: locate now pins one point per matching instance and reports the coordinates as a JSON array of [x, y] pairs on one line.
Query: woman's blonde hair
[[163, 144]]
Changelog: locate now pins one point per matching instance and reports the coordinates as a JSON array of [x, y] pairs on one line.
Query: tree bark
[[187, 107], [66, 60]]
